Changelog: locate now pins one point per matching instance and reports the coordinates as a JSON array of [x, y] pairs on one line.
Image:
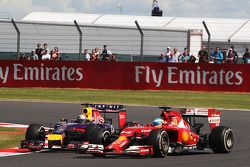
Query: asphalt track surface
[[45, 113]]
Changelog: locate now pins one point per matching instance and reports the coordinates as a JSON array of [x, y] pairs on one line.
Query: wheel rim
[[42, 135], [104, 138], [229, 140], [164, 143]]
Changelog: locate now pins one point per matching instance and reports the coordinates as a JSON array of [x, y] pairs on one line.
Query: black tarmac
[[46, 113]]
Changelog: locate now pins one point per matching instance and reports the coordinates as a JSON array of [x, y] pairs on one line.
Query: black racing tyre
[[35, 132], [99, 136], [221, 139], [89, 130], [159, 139]]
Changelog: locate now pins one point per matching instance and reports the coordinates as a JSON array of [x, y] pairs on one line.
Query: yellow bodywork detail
[[53, 137]]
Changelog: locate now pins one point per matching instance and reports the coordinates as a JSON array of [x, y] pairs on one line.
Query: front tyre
[[221, 139], [99, 136], [160, 141], [35, 132]]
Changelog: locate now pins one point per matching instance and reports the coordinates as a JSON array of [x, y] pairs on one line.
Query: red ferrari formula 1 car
[[175, 131]]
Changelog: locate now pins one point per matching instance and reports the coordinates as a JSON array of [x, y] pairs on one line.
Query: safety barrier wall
[[125, 75]]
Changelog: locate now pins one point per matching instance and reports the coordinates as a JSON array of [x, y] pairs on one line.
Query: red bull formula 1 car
[[178, 131], [68, 135]]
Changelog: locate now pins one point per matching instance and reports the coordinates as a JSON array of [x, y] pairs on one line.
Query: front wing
[[132, 150]]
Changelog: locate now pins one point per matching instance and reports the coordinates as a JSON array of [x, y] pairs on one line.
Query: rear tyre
[[35, 132], [89, 130], [221, 139], [160, 141]]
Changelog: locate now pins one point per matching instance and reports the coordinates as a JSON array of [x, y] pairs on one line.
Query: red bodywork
[[178, 129]]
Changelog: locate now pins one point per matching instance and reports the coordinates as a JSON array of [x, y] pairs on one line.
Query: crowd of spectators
[[174, 56], [217, 56], [95, 55], [42, 53]]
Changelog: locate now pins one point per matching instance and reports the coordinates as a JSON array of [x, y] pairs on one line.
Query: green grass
[[155, 98], [10, 140]]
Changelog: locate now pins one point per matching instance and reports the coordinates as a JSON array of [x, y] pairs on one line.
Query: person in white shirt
[[174, 56], [86, 55], [46, 55], [33, 55]]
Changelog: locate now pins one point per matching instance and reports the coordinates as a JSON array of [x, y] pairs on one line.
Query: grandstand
[[119, 32]]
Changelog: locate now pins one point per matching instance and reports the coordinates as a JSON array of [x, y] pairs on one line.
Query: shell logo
[[185, 136], [121, 138]]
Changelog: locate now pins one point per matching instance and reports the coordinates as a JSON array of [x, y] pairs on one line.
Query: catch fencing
[[18, 37]]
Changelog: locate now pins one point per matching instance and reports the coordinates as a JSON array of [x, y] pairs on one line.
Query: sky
[[17, 9]]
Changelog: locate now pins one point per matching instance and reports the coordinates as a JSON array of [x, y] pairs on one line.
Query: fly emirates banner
[[126, 75]]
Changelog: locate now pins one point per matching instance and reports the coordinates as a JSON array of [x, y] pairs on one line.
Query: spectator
[[203, 55], [113, 57], [230, 56], [217, 56], [38, 51], [28, 57], [55, 55], [184, 57], [162, 58], [246, 57], [33, 55], [46, 55], [45, 48], [95, 54], [192, 59], [106, 53], [22, 57], [167, 54], [235, 58], [174, 56], [86, 55]]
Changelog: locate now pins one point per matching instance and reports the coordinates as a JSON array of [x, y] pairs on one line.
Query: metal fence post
[[18, 38], [209, 37], [142, 39], [80, 39]]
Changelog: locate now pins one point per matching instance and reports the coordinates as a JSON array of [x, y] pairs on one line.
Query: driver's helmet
[[88, 113], [81, 117], [157, 121]]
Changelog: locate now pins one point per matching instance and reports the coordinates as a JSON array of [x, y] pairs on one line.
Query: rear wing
[[212, 114], [110, 108], [106, 107], [197, 112]]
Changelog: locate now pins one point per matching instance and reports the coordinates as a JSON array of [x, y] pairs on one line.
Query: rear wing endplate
[[213, 115]]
